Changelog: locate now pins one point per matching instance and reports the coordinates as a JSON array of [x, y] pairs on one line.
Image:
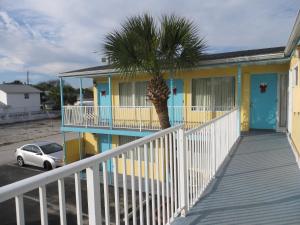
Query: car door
[[37, 156], [31, 156]]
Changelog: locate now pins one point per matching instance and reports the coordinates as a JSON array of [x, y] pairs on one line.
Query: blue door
[[176, 113], [103, 100], [105, 145], [263, 103]]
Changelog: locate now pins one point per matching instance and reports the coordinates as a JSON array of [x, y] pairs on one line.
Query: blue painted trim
[[61, 89], [110, 101], [107, 131]]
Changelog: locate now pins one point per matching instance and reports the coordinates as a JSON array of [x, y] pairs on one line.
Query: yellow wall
[[152, 171], [130, 115], [72, 150], [89, 144], [295, 132]]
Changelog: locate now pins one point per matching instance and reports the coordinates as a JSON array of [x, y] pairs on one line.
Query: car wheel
[[20, 161], [47, 165]]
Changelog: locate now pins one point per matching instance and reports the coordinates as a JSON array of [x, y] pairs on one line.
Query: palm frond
[[180, 44]]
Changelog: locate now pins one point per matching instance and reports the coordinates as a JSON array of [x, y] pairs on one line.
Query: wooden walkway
[[259, 185]]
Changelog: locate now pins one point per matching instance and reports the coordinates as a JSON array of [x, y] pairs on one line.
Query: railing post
[[140, 118], [93, 195], [182, 172]]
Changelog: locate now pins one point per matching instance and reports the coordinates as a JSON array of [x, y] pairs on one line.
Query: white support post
[[20, 210], [182, 173], [43, 205], [93, 191], [62, 201]]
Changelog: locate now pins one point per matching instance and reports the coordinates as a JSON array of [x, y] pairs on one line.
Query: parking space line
[[25, 167]]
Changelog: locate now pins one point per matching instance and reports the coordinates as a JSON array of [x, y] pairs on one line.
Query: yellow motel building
[[263, 83]]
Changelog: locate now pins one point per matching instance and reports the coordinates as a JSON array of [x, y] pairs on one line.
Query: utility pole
[[27, 77]]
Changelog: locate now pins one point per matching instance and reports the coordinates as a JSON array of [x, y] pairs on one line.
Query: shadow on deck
[[259, 185]]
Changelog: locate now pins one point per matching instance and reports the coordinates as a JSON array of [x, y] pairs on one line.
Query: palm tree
[[143, 46]]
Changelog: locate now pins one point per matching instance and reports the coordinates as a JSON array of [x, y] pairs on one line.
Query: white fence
[[13, 117], [138, 117], [165, 173]]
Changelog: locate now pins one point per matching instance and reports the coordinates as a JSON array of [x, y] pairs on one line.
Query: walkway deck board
[[259, 185]]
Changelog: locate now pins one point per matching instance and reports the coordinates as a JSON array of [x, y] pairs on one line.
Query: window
[[126, 139], [51, 148], [217, 93], [31, 148], [27, 148], [141, 94], [126, 94], [133, 94], [26, 96], [35, 149]]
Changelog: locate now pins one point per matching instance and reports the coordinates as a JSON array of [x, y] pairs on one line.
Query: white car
[[47, 155]]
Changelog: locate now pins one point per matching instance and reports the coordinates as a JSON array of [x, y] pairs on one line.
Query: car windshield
[[51, 148]]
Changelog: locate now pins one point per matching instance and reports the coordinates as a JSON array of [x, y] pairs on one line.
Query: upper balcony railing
[[138, 117], [162, 175]]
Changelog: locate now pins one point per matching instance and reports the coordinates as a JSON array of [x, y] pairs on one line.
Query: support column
[[110, 102], [61, 82], [172, 97], [239, 94]]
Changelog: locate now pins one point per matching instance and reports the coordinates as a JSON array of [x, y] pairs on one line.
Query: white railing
[[140, 117], [206, 148], [165, 173]]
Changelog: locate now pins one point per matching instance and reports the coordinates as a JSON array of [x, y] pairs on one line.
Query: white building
[[19, 98]]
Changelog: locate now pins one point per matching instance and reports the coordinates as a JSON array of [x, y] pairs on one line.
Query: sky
[[46, 37]]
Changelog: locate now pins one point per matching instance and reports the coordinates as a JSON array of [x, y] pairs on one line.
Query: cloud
[[51, 36]]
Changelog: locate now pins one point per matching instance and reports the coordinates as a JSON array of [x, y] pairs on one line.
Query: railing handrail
[[14, 189], [121, 106], [210, 122]]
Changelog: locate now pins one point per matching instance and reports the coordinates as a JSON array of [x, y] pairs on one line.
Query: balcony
[[137, 118], [176, 167], [205, 175]]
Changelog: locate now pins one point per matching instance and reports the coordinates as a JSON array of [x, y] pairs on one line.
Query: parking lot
[[12, 172], [15, 135]]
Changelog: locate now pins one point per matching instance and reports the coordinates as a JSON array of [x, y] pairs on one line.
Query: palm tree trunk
[[158, 93]]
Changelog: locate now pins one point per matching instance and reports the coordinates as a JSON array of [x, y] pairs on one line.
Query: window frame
[[196, 108], [133, 84], [31, 148]]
